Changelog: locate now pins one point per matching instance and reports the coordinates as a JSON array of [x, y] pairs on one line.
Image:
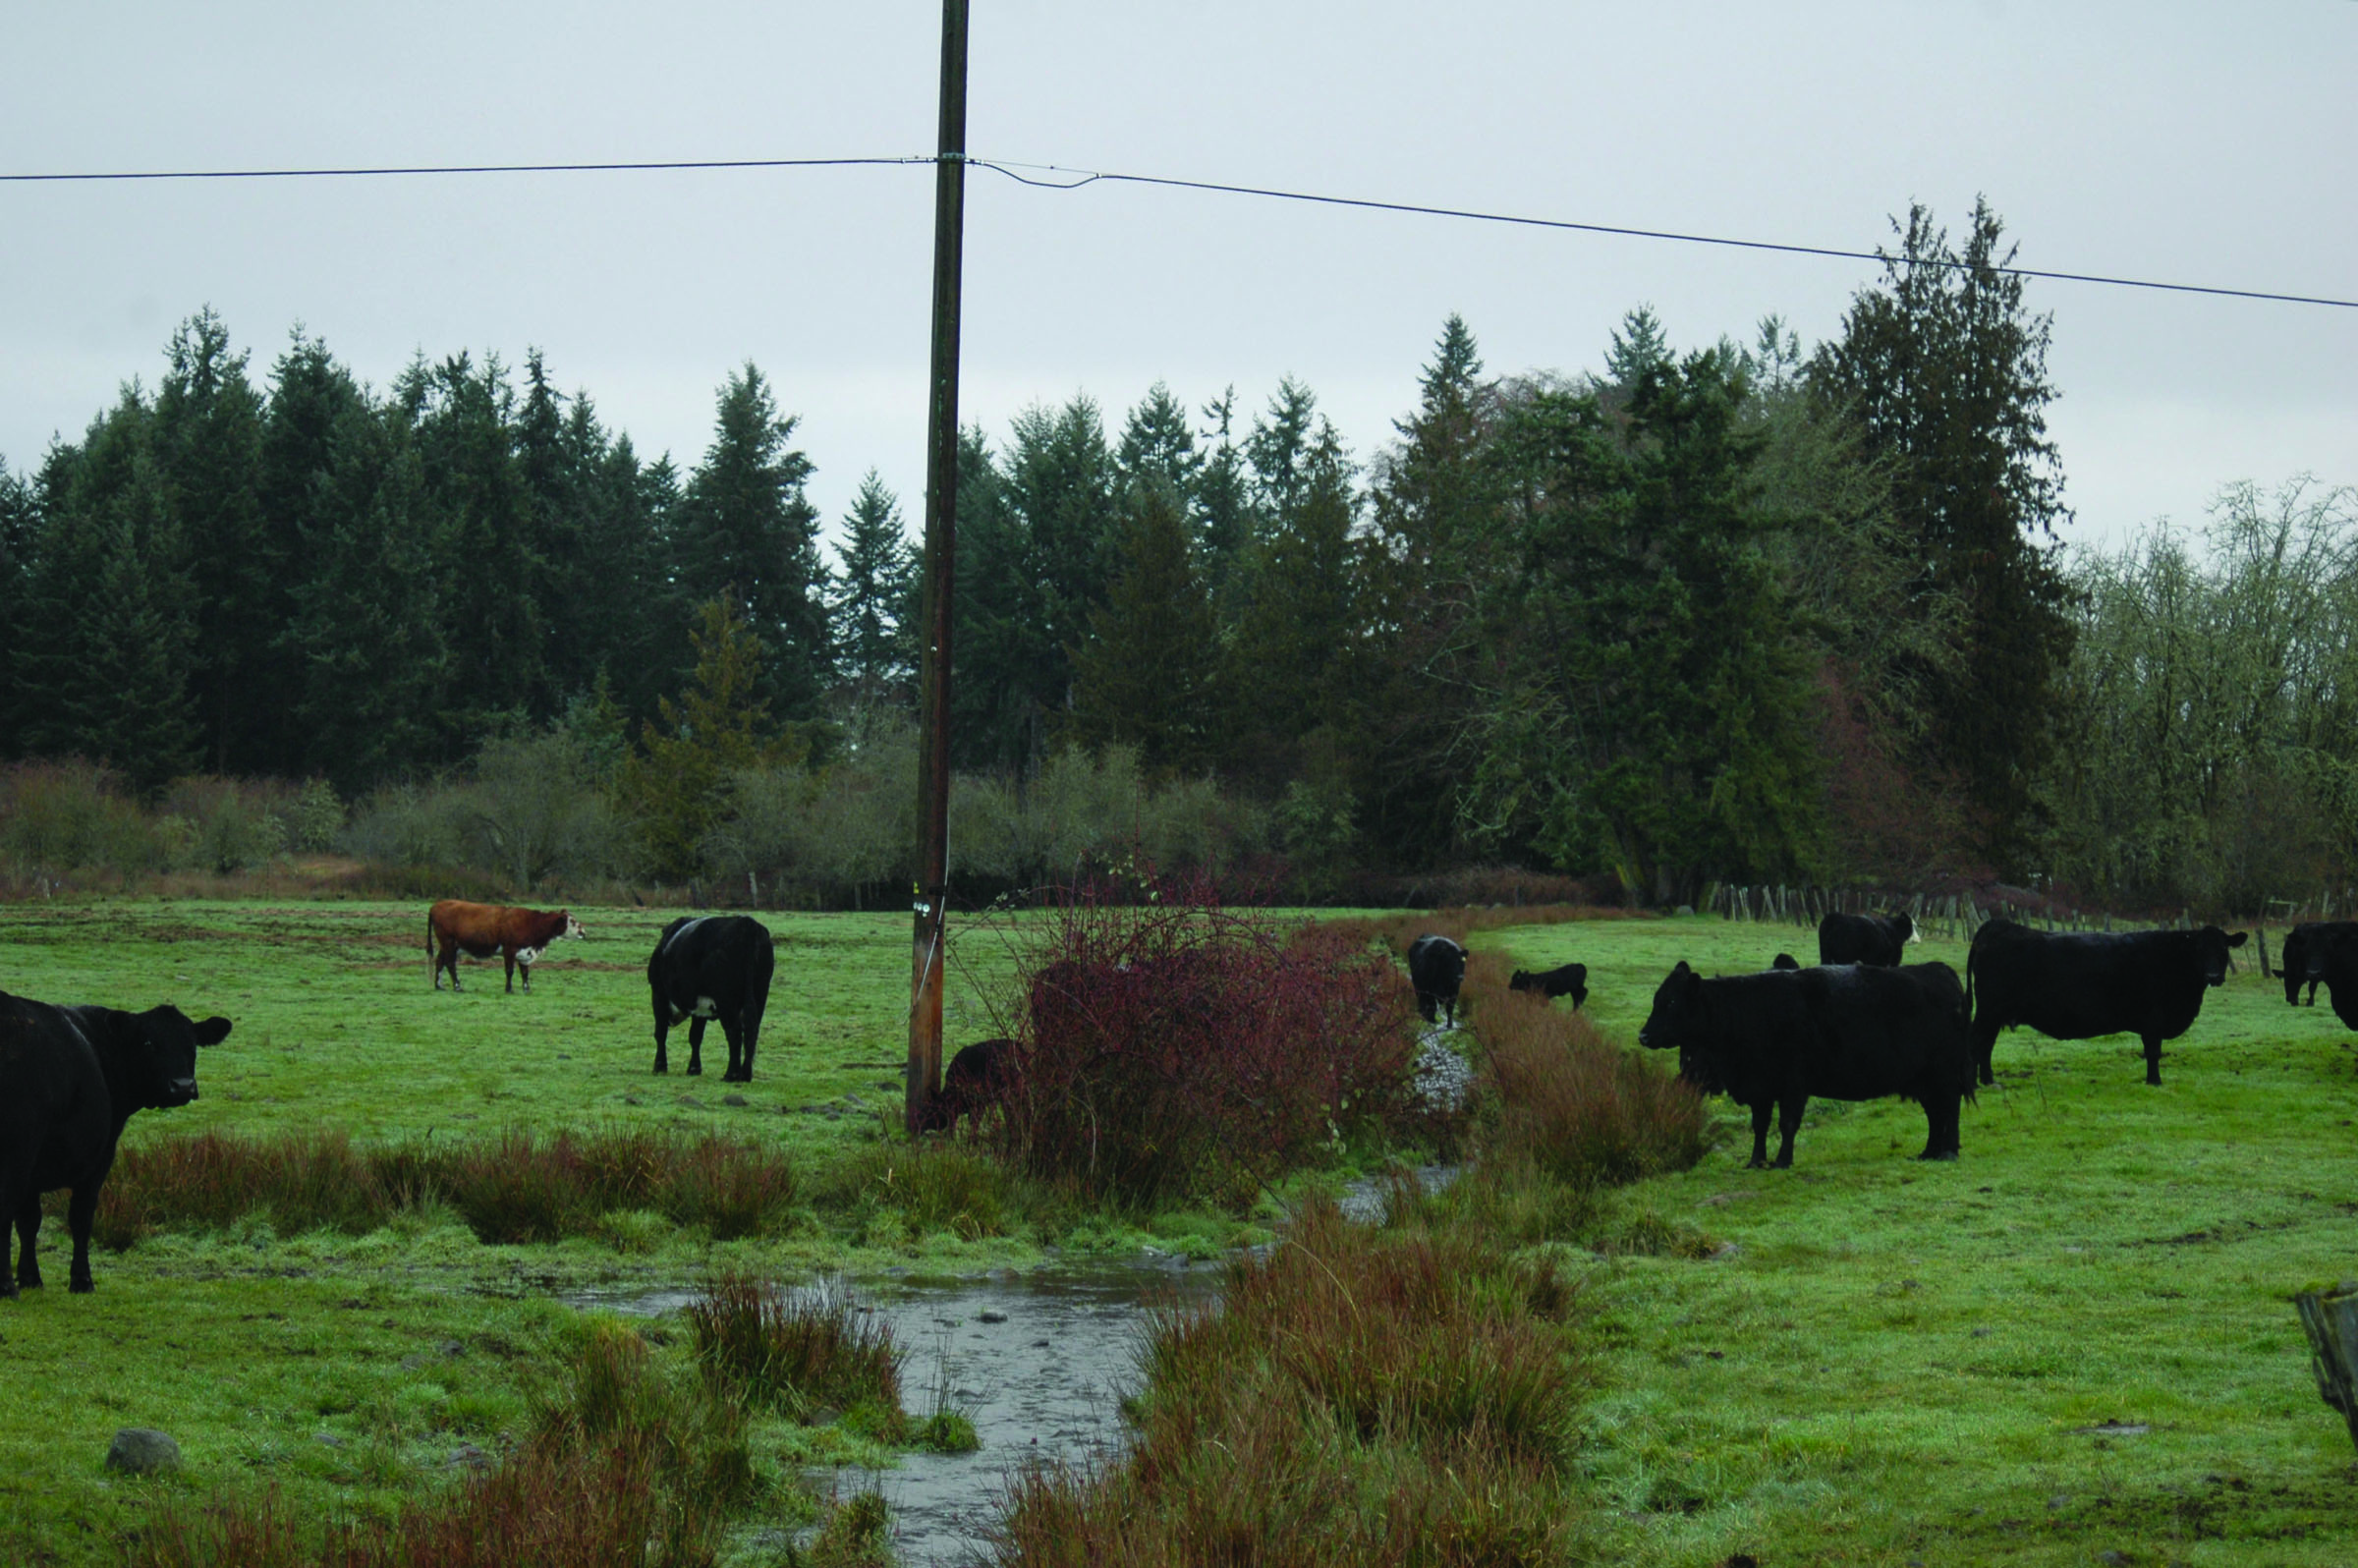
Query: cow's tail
[[429, 945]]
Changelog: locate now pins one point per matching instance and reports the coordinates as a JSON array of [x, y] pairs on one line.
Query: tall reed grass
[[1383, 1397], [799, 1351], [517, 1187]]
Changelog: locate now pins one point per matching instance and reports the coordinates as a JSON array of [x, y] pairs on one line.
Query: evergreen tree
[[20, 521], [1434, 499], [745, 526], [1157, 445], [1223, 497], [1649, 708], [1061, 484], [1944, 372], [1297, 658], [462, 421], [1146, 676], [1000, 646], [108, 677], [680, 782], [207, 437], [1639, 348], [367, 649], [875, 581]]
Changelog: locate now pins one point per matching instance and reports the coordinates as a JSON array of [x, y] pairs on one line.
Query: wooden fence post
[[2330, 1318]]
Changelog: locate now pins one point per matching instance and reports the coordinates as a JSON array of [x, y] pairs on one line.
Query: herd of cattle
[[1859, 1024]]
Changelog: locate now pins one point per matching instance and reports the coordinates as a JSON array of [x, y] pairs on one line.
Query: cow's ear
[[212, 1031], [2239, 938]]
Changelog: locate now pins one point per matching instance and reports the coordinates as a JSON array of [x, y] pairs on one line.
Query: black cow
[[980, 1076], [1777, 1039], [713, 966], [2080, 984], [70, 1078], [1436, 968], [1784, 961], [1571, 979], [2338, 968], [1880, 940], [2306, 951]]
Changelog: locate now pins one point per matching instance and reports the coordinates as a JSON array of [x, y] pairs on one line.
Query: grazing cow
[[2080, 984], [1436, 968], [2336, 966], [1879, 939], [70, 1078], [2306, 953], [708, 966], [1572, 981], [980, 1076], [478, 930], [1848, 1031]]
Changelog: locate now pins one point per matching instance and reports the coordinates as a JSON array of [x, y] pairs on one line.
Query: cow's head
[[573, 927], [162, 1043], [1784, 961], [2212, 943], [1906, 926], [1676, 1002], [1523, 979]]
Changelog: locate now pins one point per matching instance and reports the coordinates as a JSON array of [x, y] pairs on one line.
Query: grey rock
[[735, 1099], [991, 1317], [468, 1456], [691, 1102], [141, 1451]]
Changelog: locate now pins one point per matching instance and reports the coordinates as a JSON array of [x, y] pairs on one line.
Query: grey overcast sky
[[2213, 142]]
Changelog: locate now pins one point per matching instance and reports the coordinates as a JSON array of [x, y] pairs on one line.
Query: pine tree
[[1146, 674], [873, 584], [999, 647], [20, 522], [1944, 372], [209, 438], [1223, 498], [1060, 486], [680, 782], [746, 527], [1639, 348], [1157, 445]]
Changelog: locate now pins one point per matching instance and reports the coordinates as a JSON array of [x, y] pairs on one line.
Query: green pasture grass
[[349, 1394], [338, 1024], [1892, 1362]]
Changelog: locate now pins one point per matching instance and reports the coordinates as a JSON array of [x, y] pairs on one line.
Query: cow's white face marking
[[573, 930], [1914, 935], [524, 955], [705, 1007]]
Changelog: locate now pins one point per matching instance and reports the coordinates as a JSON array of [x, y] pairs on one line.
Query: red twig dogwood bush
[[1172, 1046]]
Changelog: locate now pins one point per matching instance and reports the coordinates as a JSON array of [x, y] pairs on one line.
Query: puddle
[[1042, 1382]]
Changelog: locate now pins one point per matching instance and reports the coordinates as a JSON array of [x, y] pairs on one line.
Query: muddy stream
[[1038, 1360]]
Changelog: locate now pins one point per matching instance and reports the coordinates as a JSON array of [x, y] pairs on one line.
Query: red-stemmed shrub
[[1173, 1046]]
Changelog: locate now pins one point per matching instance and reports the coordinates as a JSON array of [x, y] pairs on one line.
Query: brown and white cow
[[478, 930]]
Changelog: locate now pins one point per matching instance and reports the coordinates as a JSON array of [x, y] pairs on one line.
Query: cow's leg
[[1788, 1122], [1985, 1041], [528, 976], [753, 1032], [696, 1047], [28, 1222], [732, 1027], [662, 1034], [509, 954], [2153, 1060], [2313, 993], [1941, 1126], [78, 1214], [1759, 1134]]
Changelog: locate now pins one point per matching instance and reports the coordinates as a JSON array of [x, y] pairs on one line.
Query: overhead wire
[[1030, 174]]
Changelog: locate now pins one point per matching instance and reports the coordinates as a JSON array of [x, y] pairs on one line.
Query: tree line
[[1742, 612]]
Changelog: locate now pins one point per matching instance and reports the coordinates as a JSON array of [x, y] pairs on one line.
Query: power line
[[372, 172], [1084, 177], [1093, 176]]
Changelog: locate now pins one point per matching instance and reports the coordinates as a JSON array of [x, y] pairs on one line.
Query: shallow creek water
[[1038, 1360]]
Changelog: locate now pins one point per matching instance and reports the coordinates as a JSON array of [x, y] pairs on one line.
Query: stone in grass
[[141, 1451], [735, 1099]]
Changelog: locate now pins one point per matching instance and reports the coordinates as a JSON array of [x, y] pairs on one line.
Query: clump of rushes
[[803, 1352], [1393, 1397], [518, 1187], [854, 1534], [1569, 1102], [626, 1466], [917, 1189], [1173, 1048]]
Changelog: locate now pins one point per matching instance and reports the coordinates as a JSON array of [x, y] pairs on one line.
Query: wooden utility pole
[[940, 568]]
